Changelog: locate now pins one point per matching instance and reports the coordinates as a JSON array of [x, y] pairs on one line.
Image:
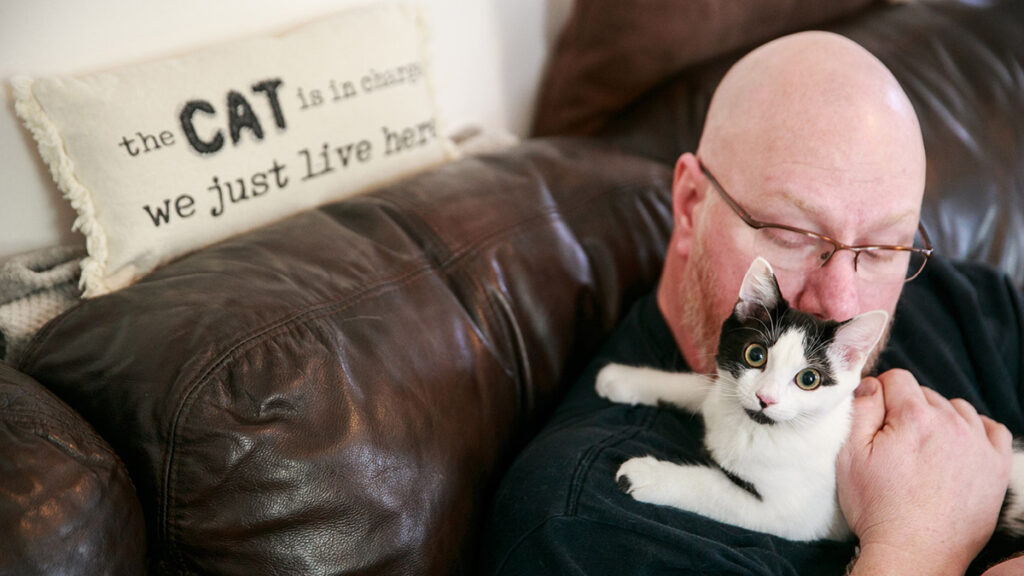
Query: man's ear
[[687, 189]]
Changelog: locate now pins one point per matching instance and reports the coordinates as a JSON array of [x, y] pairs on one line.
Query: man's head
[[810, 131]]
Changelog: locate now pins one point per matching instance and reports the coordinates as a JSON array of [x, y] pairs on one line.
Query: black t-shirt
[[958, 328]]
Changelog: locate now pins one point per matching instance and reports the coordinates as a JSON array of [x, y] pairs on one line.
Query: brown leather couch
[[340, 392]]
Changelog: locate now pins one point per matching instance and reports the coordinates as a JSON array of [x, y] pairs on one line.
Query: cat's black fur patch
[[765, 326], [744, 484], [748, 486], [760, 417], [737, 480], [1007, 502], [623, 483]]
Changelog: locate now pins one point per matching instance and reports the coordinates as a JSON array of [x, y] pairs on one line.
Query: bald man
[[811, 152], [811, 131]]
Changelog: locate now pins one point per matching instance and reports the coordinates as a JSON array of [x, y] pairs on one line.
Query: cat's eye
[[808, 379], [755, 355]]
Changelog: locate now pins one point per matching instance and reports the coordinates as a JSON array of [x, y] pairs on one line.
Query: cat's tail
[[1011, 517]]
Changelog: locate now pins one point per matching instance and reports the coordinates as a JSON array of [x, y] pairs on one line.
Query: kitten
[[775, 416]]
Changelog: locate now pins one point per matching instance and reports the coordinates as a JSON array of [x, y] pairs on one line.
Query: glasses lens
[[892, 266], [790, 250], [915, 264], [888, 266], [917, 260]]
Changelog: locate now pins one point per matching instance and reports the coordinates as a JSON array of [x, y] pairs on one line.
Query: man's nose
[[831, 291]]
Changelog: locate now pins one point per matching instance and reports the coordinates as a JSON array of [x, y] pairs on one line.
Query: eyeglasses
[[798, 250]]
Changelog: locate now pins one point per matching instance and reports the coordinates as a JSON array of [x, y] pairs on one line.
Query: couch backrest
[[960, 62]]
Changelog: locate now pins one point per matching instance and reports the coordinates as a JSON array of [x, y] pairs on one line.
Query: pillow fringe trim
[[51, 149]]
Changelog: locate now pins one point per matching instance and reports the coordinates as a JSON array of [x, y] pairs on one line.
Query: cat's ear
[[856, 337], [759, 291]]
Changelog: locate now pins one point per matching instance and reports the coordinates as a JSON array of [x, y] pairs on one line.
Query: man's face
[[867, 202], [809, 131]]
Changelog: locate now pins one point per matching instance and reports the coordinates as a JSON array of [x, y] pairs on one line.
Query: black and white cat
[[775, 416]]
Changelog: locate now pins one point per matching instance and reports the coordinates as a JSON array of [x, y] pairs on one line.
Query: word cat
[[776, 414]]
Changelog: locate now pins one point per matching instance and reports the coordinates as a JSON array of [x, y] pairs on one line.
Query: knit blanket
[[35, 288]]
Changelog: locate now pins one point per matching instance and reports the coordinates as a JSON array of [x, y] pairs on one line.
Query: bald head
[[812, 96]]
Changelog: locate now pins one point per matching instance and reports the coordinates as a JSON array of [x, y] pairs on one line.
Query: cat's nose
[[765, 400]]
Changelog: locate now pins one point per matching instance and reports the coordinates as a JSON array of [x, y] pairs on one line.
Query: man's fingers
[[934, 398], [898, 390], [998, 435], [966, 411], [962, 407], [956, 407]]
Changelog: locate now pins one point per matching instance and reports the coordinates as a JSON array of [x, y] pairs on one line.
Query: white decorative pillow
[[162, 158]]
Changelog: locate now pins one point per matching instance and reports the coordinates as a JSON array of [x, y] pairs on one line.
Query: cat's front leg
[[712, 493], [693, 488], [633, 385]]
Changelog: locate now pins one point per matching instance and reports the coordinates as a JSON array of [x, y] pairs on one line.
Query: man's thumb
[[868, 411]]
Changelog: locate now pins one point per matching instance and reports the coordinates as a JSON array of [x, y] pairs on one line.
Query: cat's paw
[[641, 477], [615, 382]]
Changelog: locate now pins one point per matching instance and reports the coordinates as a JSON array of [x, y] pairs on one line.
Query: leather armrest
[[67, 505]]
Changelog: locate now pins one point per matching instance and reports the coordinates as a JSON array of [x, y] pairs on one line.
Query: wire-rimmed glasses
[[799, 250]]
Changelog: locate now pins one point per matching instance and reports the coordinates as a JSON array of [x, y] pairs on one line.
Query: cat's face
[[783, 365]]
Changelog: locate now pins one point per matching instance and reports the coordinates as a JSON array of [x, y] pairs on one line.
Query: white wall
[[489, 55]]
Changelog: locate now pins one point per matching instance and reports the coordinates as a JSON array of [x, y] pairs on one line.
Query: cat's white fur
[[790, 463]]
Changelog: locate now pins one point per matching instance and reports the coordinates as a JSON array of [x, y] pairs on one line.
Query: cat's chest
[[776, 454]]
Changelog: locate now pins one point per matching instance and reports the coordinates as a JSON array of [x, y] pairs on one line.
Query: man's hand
[[921, 479], [1011, 567]]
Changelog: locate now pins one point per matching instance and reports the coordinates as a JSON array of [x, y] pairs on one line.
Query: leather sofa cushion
[[340, 391]]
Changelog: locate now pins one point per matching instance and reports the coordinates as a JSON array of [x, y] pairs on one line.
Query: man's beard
[[697, 306]]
